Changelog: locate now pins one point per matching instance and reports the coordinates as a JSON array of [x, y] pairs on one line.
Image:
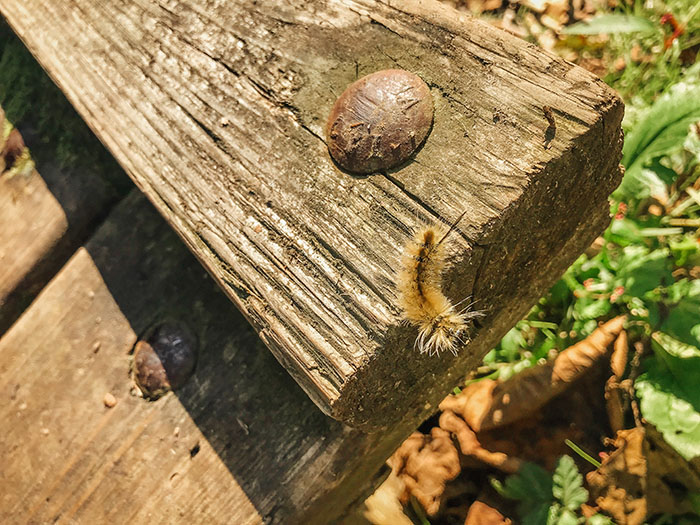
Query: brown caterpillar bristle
[[440, 326]]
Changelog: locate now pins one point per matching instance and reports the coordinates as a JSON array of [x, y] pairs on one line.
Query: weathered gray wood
[[43, 219], [216, 109], [266, 453]]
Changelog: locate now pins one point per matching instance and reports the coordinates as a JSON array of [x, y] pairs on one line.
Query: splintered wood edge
[[217, 113]]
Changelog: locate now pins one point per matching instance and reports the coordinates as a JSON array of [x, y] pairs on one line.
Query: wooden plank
[[265, 452], [217, 110], [43, 219]]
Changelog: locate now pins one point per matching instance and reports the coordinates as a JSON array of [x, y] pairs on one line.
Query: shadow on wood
[[45, 214], [239, 443]]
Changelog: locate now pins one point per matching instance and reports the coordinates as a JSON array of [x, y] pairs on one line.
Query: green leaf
[[599, 519], [553, 514], [512, 343], [682, 289], [661, 130], [673, 347], [669, 397], [568, 484], [641, 270], [683, 321], [532, 482], [586, 308], [612, 23], [675, 418], [684, 249], [567, 517], [624, 231], [537, 515], [643, 183], [532, 487]]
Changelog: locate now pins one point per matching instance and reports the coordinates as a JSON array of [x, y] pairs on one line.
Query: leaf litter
[[496, 428]]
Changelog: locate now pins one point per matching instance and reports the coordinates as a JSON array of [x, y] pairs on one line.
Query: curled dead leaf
[[482, 514], [425, 463], [618, 360], [670, 478], [619, 485], [470, 445], [614, 404], [643, 476], [488, 404]]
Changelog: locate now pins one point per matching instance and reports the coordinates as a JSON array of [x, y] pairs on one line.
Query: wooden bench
[[44, 219], [240, 443], [217, 114]]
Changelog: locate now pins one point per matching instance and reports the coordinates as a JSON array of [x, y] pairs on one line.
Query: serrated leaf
[[567, 517], [553, 514], [532, 487], [611, 23], [567, 484]]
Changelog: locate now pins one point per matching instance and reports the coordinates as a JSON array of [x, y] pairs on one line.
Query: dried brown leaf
[[488, 404], [619, 485], [425, 463], [670, 478], [482, 514], [471, 447], [614, 405], [643, 476], [618, 360]]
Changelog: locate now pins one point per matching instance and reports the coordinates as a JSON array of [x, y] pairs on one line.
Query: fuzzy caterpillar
[[440, 326]]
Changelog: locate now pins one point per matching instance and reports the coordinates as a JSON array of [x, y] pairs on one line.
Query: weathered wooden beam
[[239, 443], [217, 111], [43, 219]]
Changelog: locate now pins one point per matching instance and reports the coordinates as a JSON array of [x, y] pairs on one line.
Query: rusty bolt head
[[379, 121], [164, 360]]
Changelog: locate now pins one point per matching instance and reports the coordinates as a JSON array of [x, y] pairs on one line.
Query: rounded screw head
[[379, 121], [164, 360]]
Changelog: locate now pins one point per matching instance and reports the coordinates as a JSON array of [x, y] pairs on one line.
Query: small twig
[[634, 372]]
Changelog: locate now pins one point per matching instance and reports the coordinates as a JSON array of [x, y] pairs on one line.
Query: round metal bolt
[[379, 121], [165, 360]]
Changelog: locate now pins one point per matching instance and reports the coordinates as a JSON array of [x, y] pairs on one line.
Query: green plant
[[646, 265], [649, 45], [549, 499], [669, 397]]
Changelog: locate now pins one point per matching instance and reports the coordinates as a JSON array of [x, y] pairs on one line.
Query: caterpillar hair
[[440, 325]]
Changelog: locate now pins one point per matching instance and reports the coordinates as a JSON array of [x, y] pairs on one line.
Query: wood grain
[[216, 110], [239, 443], [43, 219]]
